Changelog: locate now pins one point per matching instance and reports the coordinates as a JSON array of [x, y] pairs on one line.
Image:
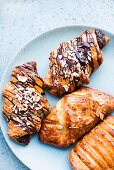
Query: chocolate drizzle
[[22, 121], [100, 38], [29, 102], [30, 73], [26, 106], [24, 139], [73, 60]]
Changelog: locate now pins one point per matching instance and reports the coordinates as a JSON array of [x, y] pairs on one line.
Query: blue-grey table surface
[[23, 20]]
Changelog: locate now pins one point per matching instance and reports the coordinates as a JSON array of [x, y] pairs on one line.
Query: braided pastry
[[96, 150]]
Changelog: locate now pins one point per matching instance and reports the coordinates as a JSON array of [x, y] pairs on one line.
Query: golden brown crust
[[72, 63], [96, 150], [74, 116], [19, 134], [24, 102]]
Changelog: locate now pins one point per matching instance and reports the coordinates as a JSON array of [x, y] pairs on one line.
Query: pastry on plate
[[96, 150], [24, 102], [74, 116], [72, 62]]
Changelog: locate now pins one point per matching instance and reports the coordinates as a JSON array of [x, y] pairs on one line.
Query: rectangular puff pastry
[[96, 150]]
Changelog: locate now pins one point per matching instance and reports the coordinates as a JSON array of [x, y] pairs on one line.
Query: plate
[[37, 155]]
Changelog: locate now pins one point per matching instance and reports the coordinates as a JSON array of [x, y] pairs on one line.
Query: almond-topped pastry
[[72, 63], [74, 116], [96, 150], [24, 102]]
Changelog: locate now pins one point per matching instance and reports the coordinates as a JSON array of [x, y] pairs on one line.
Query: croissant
[[24, 103], [72, 63], [74, 116], [96, 150]]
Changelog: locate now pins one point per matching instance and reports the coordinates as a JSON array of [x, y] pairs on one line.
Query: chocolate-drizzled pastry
[[24, 102], [74, 116], [96, 150], [72, 63]]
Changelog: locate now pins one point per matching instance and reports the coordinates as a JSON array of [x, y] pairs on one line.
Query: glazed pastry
[[74, 116], [24, 102], [72, 63], [96, 150]]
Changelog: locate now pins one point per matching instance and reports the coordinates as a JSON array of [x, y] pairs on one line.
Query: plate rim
[[17, 53]]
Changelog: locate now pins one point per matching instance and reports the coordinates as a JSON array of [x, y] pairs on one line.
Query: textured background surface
[[23, 20]]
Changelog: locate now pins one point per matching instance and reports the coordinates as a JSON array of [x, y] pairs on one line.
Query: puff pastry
[[24, 102], [74, 116], [72, 63], [96, 150]]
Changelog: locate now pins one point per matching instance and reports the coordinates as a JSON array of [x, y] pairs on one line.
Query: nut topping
[[22, 78], [66, 87]]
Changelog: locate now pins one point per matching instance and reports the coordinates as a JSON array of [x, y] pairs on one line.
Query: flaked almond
[[28, 123], [75, 74], [66, 87], [30, 89], [60, 57], [22, 78], [63, 63]]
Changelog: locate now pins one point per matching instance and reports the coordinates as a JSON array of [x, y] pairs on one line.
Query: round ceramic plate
[[37, 155]]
